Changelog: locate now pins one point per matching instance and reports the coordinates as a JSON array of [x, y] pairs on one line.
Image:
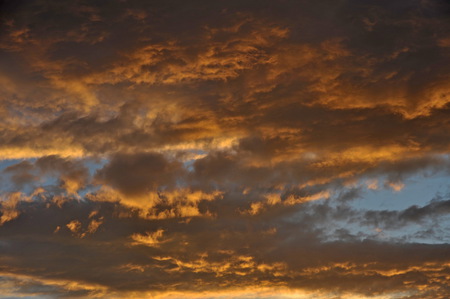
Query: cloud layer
[[223, 148]]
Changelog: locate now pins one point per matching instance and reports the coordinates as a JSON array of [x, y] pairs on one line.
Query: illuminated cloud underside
[[225, 149]]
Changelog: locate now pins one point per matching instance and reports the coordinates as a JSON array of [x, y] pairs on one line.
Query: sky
[[225, 149]]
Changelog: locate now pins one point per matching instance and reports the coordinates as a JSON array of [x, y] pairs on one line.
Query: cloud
[[72, 175], [414, 214], [228, 251], [223, 148], [149, 239], [139, 173]]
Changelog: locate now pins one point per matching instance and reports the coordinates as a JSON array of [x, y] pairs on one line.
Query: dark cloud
[[71, 174], [139, 173], [414, 214], [126, 254]]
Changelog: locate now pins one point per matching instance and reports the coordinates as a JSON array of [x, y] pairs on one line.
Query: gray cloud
[[139, 173], [413, 214], [215, 252]]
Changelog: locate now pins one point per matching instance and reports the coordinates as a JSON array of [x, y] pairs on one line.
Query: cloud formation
[[224, 148]]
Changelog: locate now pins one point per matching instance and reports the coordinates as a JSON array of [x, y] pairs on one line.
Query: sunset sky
[[225, 149]]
